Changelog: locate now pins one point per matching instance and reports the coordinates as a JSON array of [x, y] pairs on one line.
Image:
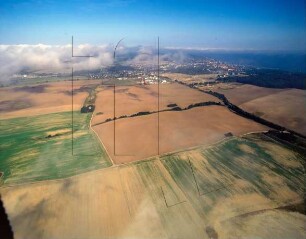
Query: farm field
[[191, 78], [287, 108], [234, 189], [40, 147], [191, 190], [137, 138], [126, 119], [44, 98], [241, 93], [276, 105], [133, 99]]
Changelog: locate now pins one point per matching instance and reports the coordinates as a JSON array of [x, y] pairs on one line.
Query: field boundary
[[175, 109], [90, 126], [152, 158]]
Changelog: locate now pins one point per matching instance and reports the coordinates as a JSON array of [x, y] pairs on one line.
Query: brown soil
[[285, 107], [239, 94], [41, 99], [191, 78], [32, 89], [13, 105], [133, 99], [137, 138]]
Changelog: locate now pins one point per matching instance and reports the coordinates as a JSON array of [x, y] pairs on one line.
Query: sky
[[273, 25]]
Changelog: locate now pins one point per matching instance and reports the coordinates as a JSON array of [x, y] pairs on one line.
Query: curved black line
[[116, 47]]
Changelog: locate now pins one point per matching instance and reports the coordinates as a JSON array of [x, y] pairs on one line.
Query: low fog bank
[[25, 59]]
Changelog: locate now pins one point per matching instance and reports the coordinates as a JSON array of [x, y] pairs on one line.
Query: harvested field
[[285, 107], [242, 93], [259, 225], [41, 99], [231, 189], [239, 187], [191, 78], [137, 138], [133, 99], [14, 105]]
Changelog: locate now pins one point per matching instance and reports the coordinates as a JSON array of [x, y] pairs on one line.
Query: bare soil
[[285, 107], [42, 99], [191, 78], [137, 138], [133, 99], [240, 93]]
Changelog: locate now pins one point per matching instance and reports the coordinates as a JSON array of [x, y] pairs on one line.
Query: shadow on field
[[5, 227]]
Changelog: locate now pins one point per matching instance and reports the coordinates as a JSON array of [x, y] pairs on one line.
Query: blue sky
[[246, 24]]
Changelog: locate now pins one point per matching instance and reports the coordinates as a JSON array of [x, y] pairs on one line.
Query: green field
[[245, 187], [224, 186], [40, 148], [216, 185], [240, 166]]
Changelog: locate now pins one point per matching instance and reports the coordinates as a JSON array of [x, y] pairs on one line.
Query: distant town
[[147, 74]]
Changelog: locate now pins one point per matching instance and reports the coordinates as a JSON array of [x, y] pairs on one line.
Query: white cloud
[[57, 58], [47, 58]]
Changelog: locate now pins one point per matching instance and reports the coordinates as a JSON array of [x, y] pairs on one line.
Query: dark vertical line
[[164, 196], [6, 228], [124, 192], [194, 177], [72, 46], [114, 119], [72, 121], [158, 94]]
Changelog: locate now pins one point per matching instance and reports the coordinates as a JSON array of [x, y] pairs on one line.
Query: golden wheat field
[[206, 192]]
